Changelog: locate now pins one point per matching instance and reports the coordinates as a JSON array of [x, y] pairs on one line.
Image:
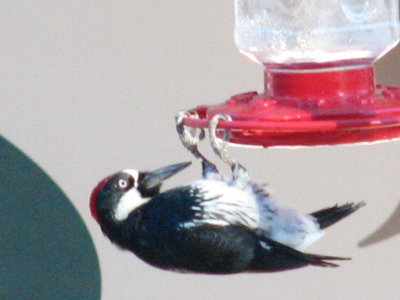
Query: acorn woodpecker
[[211, 225]]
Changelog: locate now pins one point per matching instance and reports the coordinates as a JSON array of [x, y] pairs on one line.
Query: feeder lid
[[307, 109]]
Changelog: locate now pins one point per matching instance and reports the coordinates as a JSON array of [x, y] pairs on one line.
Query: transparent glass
[[290, 33]]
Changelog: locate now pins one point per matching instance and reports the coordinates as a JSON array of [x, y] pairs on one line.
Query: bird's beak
[[155, 178]]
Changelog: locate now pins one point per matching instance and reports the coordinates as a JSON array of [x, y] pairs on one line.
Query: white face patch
[[128, 203], [130, 200]]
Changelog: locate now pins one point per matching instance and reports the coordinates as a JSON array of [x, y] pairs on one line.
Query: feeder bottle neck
[[321, 87]]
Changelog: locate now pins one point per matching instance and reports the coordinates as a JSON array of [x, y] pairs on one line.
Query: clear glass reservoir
[[294, 33]]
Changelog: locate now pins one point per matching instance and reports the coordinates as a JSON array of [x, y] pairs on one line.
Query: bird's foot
[[240, 175], [190, 138]]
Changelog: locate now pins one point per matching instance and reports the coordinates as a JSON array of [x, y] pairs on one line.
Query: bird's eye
[[123, 183]]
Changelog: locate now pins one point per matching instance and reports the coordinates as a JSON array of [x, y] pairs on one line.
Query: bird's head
[[118, 195]]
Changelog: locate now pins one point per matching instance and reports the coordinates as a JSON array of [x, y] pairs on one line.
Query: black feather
[[274, 256], [329, 216]]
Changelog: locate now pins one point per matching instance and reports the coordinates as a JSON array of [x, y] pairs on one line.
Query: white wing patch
[[265, 245]]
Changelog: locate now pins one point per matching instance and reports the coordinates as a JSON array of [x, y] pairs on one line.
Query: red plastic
[[307, 108]]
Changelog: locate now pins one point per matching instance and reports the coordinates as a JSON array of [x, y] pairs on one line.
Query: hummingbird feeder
[[318, 74]]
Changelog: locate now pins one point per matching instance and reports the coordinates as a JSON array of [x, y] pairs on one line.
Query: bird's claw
[[239, 173], [188, 135], [190, 141], [217, 144]]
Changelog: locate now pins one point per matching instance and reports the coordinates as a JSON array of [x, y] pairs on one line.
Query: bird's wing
[[273, 256], [231, 249], [211, 249]]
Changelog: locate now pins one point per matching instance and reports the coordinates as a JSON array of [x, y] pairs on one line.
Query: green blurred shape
[[46, 251]]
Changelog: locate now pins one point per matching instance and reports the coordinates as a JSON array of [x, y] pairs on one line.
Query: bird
[[211, 225]]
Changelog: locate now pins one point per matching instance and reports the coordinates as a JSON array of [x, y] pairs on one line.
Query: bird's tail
[[329, 216]]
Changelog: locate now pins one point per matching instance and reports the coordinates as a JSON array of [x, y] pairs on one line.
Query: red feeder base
[[309, 108]]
